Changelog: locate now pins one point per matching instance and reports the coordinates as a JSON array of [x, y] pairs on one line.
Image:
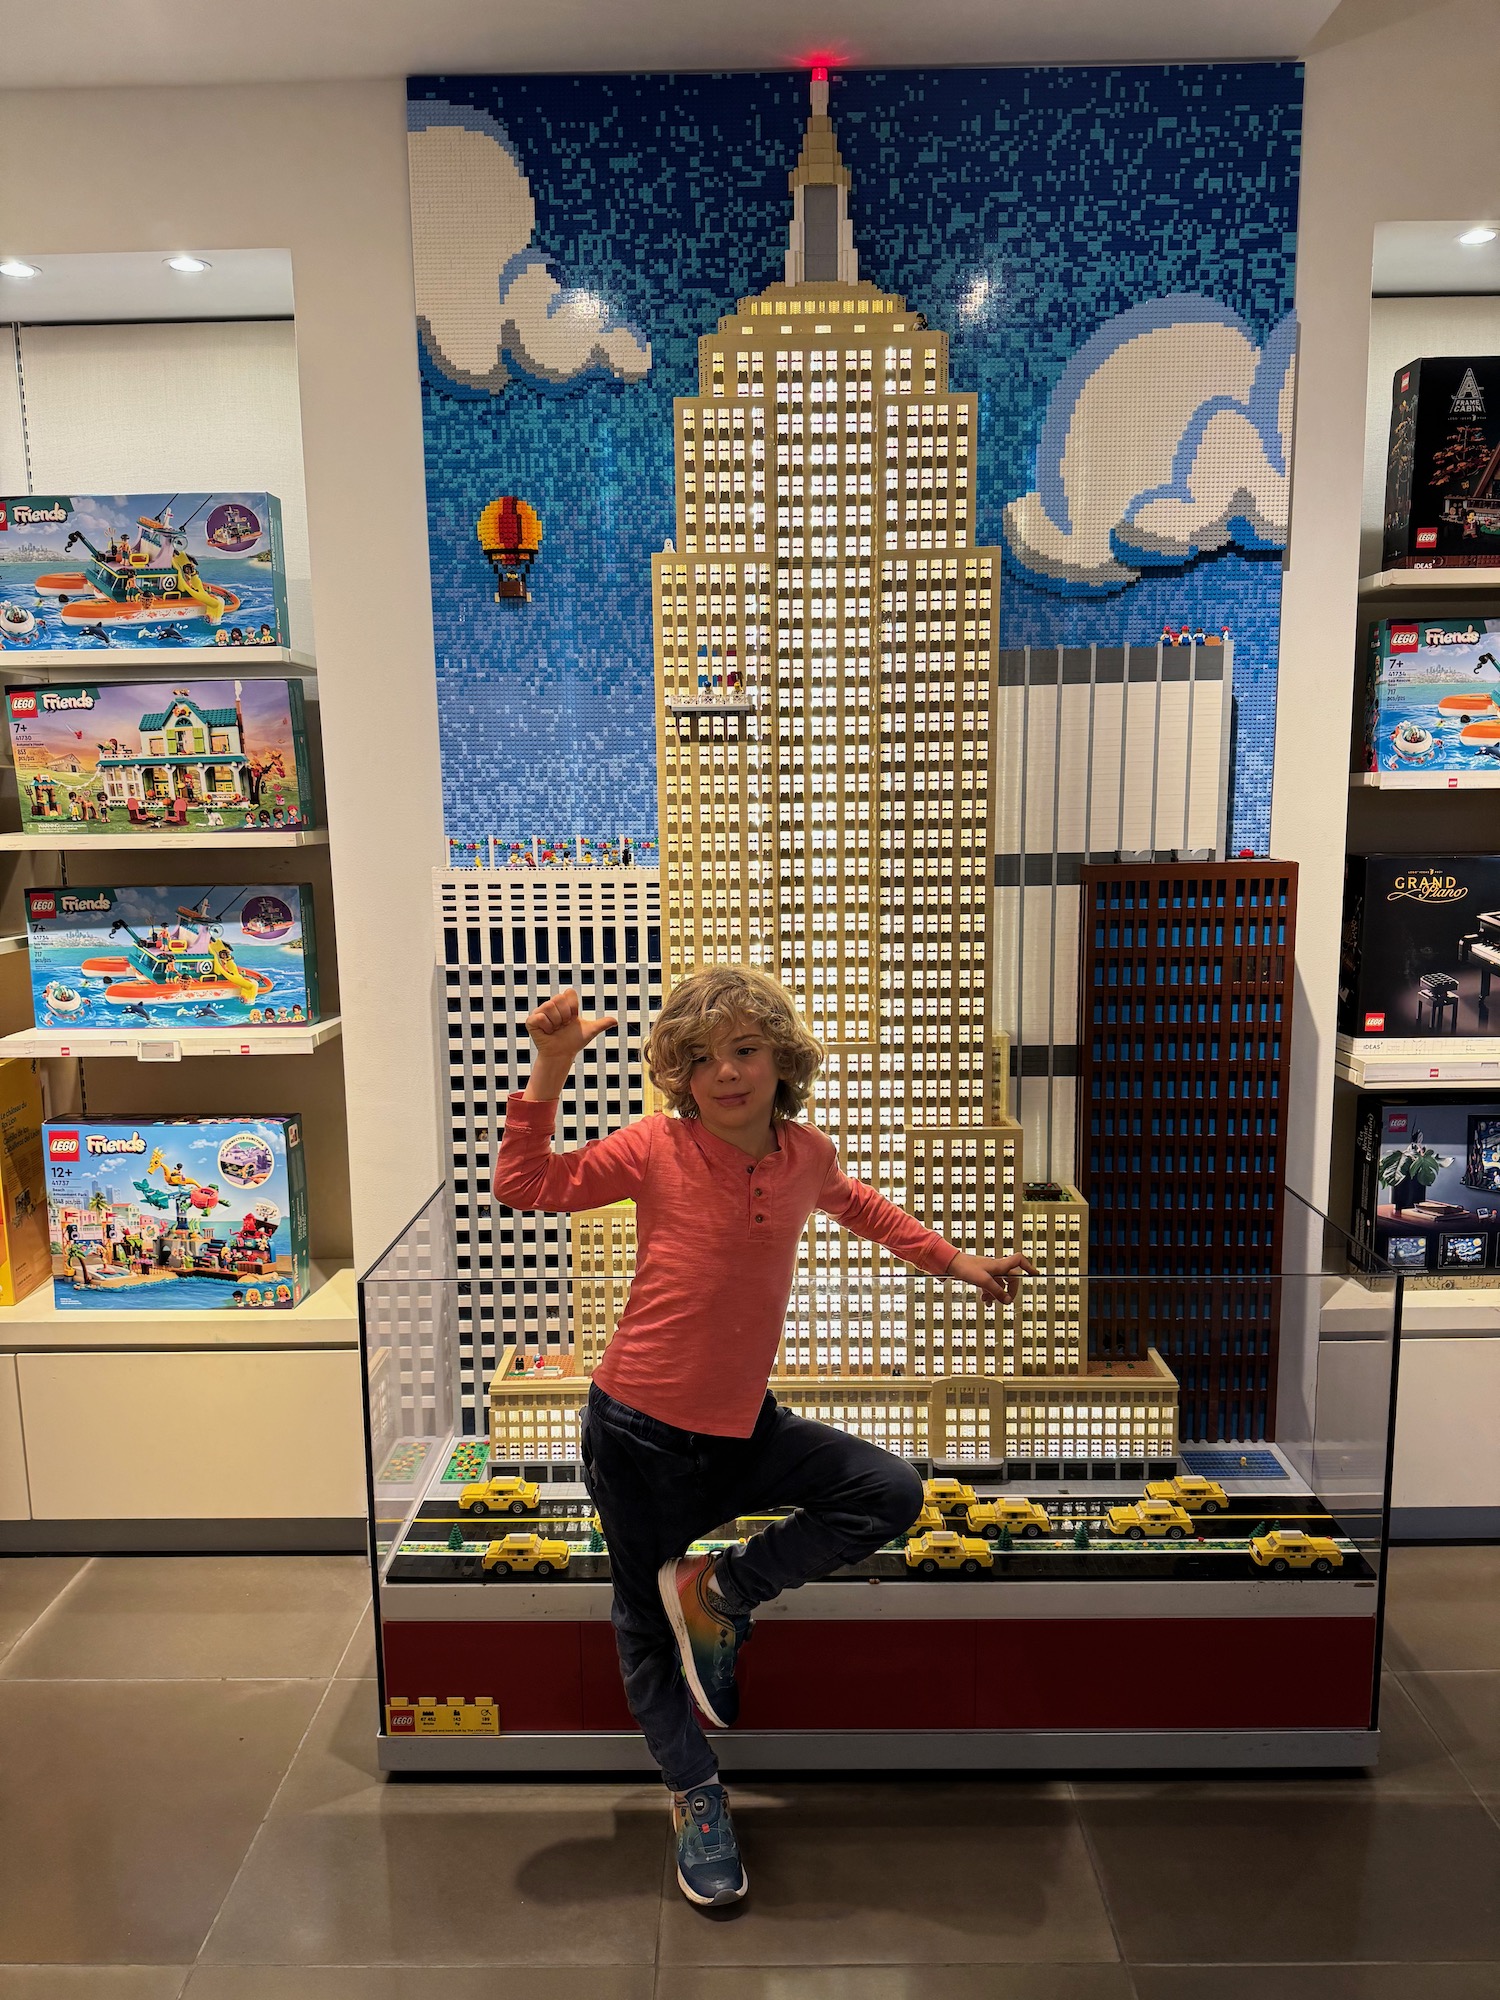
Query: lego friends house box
[[1432, 695], [1442, 488], [172, 957], [1420, 949], [1427, 1183], [227, 756], [177, 1215], [146, 570]]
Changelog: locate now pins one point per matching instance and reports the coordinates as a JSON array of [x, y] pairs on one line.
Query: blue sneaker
[[709, 1869], [708, 1636]]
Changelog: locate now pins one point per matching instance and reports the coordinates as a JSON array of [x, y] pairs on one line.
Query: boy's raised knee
[[901, 1497]]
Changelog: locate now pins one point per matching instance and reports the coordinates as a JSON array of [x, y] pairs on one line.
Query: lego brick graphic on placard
[[1110, 254]]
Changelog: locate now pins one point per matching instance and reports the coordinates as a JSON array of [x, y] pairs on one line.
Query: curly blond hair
[[698, 1011]]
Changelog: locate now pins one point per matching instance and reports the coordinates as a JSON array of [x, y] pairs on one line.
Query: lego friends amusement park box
[[172, 957], [229, 756], [177, 1215], [145, 570]]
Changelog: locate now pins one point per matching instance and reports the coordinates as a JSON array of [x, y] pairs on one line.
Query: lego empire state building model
[[826, 637]]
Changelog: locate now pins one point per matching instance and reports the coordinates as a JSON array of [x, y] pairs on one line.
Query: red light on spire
[[820, 73]]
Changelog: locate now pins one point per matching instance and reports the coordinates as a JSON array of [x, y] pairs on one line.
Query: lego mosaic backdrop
[[1111, 252]]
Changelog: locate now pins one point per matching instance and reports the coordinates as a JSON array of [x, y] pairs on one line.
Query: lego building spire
[[821, 249]]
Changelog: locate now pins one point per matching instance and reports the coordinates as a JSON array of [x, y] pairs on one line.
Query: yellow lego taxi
[[1290, 1548], [929, 1518], [949, 1496], [525, 1554], [1198, 1496], [499, 1496], [943, 1549], [1148, 1520], [1021, 1517]]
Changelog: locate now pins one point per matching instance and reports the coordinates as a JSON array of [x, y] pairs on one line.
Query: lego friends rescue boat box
[[172, 957], [177, 1214], [1432, 695], [141, 571], [226, 756]]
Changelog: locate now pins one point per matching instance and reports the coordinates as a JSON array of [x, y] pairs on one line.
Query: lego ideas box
[[177, 1214], [1420, 950], [143, 571], [172, 957], [1442, 488], [1432, 695], [228, 756], [1427, 1183]]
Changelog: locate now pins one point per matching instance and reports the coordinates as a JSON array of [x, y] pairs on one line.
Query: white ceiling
[[81, 43], [137, 284], [1415, 257]]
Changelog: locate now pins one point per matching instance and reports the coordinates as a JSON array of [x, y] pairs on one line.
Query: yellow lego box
[[25, 1255]]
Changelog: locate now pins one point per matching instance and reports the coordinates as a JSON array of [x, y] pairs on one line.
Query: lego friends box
[[224, 756], [172, 957], [179, 1215], [1430, 695], [141, 570]]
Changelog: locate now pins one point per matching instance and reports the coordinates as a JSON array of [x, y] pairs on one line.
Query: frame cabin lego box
[[172, 957], [224, 756], [24, 1260], [1420, 945], [1432, 695], [1442, 487], [1427, 1184], [177, 1214], [141, 570]]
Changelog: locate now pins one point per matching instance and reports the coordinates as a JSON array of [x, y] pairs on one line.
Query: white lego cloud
[[1168, 437], [488, 304]]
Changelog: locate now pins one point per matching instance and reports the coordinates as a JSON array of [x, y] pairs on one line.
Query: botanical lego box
[[1442, 489], [172, 957], [1420, 950], [1427, 1183], [1432, 695], [141, 571], [177, 1214], [24, 1263], [227, 756]]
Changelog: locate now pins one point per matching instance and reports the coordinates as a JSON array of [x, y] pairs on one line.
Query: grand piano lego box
[[142, 571], [225, 756], [1442, 490], [1420, 949], [1427, 1184], [1432, 695]]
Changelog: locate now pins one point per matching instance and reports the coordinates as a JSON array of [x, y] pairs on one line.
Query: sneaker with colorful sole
[[708, 1637]]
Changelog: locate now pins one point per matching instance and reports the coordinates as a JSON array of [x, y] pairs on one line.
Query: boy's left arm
[[865, 1213]]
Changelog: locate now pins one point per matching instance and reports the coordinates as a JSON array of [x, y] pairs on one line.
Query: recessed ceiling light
[[13, 267], [187, 262], [1482, 233]]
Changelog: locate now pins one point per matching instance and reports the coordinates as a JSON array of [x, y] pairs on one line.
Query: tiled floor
[[189, 1807]]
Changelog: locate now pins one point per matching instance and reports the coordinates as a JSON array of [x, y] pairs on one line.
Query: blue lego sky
[[1018, 209]]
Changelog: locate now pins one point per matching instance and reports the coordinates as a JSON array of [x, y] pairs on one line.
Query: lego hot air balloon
[[510, 534]]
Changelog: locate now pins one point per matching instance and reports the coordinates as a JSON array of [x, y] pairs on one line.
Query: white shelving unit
[[157, 1045], [185, 840], [127, 663]]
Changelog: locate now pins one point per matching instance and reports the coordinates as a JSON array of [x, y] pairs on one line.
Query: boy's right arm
[[528, 1174]]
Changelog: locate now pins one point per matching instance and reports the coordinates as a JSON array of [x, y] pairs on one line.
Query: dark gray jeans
[[658, 1488]]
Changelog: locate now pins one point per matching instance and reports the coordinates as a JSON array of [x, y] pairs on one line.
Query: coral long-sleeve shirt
[[716, 1249]]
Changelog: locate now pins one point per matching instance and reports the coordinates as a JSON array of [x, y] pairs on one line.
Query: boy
[[681, 1434]]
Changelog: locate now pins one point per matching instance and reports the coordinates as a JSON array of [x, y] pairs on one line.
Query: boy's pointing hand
[[560, 1029], [998, 1278]]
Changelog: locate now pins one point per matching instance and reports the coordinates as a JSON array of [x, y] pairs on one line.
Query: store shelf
[[20, 943], [187, 839], [327, 1317], [172, 1045], [1424, 781], [1442, 583], [142, 663], [1446, 1062], [1440, 1313]]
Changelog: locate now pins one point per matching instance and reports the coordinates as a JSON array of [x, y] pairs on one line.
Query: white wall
[[1391, 118], [325, 179]]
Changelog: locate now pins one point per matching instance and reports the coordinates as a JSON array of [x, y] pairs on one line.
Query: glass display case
[[1088, 1587]]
